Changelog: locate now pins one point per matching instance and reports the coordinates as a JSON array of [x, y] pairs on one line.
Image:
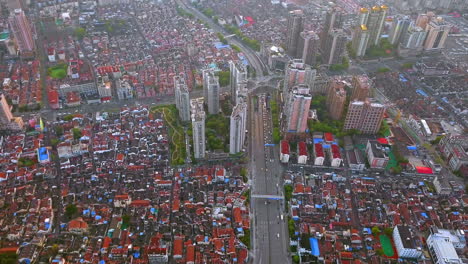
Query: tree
[[379, 252], [288, 190], [126, 220], [407, 65], [76, 133], [68, 118], [243, 173], [80, 33], [59, 131], [246, 238], [8, 258], [224, 78], [70, 210], [384, 129], [305, 242], [437, 140], [54, 141], [295, 259], [375, 230], [383, 69], [351, 51], [388, 231], [54, 250]]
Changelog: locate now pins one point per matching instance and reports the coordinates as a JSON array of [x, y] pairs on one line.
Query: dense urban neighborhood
[[245, 131]]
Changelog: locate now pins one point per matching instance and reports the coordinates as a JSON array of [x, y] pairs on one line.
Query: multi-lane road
[[269, 235], [250, 54]]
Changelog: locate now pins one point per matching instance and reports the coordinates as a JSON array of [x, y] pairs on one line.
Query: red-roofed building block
[[319, 155], [178, 247], [302, 157], [424, 170], [328, 137], [335, 156], [284, 149]]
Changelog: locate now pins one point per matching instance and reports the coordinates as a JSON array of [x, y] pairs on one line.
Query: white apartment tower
[[237, 128], [238, 73], [211, 91], [198, 128], [182, 98]]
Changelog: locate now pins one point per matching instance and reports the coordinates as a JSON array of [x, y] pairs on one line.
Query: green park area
[[384, 49], [176, 132], [217, 132], [386, 245], [58, 71]]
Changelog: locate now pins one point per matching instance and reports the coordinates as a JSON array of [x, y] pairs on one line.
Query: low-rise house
[[376, 155], [302, 153], [319, 154], [284, 151]]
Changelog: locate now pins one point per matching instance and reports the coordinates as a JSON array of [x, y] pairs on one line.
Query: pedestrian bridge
[[266, 196]]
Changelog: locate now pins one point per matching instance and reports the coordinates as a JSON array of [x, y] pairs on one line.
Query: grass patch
[[386, 245], [275, 119], [246, 238], [176, 132], [58, 71]]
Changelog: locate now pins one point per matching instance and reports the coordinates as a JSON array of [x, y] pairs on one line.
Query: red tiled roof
[[284, 147], [73, 97], [328, 136], [336, 151], [424, 170], [8, 250], [53, 96], [121, 197], [237, 215], [77, 224], [302, 148], [190, 253], [178, 247], [140, 203], [318, 150], [120, 157], [107, 241], [382, 141]]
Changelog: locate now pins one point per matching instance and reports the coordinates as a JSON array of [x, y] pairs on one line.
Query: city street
[[270, 239], [250, 54]]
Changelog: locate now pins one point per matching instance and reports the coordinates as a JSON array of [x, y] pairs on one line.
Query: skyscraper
[[375, 24], [334, 47], [413, 38], [360, 40], [7, 120], [297, 72], [307, 47], [333, 19], [238, 72], [182, 98], [198, 128], [363, 16], [424, 19], [437, 31], [361, 87], [298, 109], [364, 116], [238, 123], [295, 27], [400, 25], [211, 91], [336, 99], [22, 32]]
